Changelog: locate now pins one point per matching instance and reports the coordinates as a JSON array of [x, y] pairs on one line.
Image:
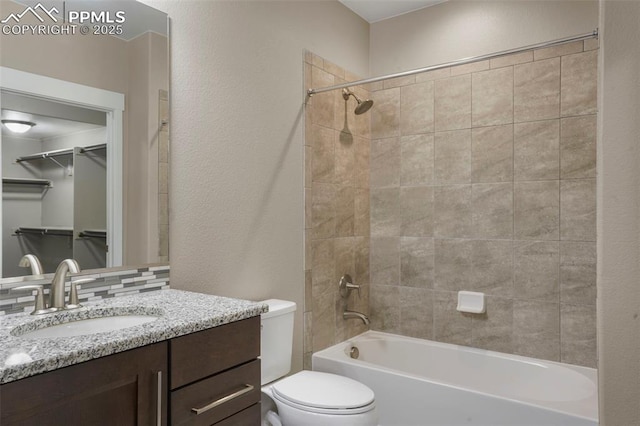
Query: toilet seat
[[324, 393]]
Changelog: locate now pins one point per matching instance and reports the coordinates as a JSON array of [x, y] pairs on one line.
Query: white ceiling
[[378, 10], [46, 127]]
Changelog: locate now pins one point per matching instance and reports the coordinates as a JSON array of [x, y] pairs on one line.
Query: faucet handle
[[39, 305], [346, 286], [73, 293]]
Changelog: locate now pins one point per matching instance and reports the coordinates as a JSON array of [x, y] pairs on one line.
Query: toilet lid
[[323, 390]]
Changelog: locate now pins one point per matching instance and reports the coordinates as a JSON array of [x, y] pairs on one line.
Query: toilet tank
[[276, 339]]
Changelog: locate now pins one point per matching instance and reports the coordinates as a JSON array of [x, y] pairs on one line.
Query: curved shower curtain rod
[[594, 33]]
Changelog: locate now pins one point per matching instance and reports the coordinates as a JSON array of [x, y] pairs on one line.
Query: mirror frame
[[112, 103]]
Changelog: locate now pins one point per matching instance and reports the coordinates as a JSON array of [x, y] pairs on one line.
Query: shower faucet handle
[[346, 286]]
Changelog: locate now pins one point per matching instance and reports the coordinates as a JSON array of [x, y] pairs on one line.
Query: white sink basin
[[83, 327]]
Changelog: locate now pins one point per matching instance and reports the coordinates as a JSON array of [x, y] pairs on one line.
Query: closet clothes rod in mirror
[[61, 232], [27, 181], [593, 34]]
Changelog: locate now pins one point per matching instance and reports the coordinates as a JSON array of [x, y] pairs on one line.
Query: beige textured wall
[[618, 214], [483, 179], [461, 28], [237, 129], [336, 207]]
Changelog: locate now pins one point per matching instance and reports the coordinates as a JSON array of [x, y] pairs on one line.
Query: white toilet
[[307, 398]]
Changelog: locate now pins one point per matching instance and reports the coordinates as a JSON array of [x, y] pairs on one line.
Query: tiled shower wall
[[336, 206], [483, 179]]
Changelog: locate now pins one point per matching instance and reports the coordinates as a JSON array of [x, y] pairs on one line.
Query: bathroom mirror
[[89, 179]]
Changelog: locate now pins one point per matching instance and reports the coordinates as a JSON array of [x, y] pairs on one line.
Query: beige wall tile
[[344, 258], [433, 75], [416, 312], [399, 81], [469, 68], [308, 238], [384, 269], [536, 93], [308, 293], [536, 265], [307, 344], [449, 325], [578, 93], [308, 208], [323, 321], [416, 211], [349, 76], [513, 59], [492, 97], [492, 210], [536, 329], [361, 162], [492, 154], [385, 115], [578, 335], [591, 44], [344, 160], [385, 162], [417, 159], [322, 104], [361, 212], [536, 150], [493, 330], [453, 265], [323, 161], [537, 210], [416, 262], [453, 103], [345, 211], [560, 50], [374, 87], [332, 68], [385, 212], [323, 210], [578, 210], [492, 263], [416, 108], [452, 215], [308, 166], [385, 308], [578, 273], [322, 265], [578, 147], [361, 259], [453, 157], [362, 122]]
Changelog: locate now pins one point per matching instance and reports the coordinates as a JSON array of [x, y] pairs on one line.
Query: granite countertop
[[180, 312]]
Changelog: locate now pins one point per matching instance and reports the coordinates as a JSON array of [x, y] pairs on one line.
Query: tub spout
[[353, 314]]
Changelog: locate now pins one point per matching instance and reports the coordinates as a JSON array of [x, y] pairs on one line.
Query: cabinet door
[[128, 388]]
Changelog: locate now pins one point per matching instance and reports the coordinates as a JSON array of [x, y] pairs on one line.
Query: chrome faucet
[[56, 297], [353, 314], [31, 260]]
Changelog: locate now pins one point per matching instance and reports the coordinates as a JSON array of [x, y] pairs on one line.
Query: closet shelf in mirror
[[45, 230], [93, 233], [26, 181]]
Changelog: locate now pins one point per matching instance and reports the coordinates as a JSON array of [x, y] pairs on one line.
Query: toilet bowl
[[308, 398]]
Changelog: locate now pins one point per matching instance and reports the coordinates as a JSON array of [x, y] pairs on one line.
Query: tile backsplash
[[108, 283]]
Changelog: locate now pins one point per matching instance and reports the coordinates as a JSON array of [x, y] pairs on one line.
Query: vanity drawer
[[208, 352], [248, 416], [235, 389]]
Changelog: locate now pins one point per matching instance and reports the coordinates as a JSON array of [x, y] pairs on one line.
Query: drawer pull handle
[[247, 389]]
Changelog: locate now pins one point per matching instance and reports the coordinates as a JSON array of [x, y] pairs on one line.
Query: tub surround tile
[[362, 159], [578, 335], [513, 59], [361, 212], [385, 212], [537, 90], [345, 211], [322, 261], [559, 50], [307, 344], [385, 261], [449, 325], [578, 147], [433, 75], [324, 320], [308, 295], [492, 97], [334, 69], [344, 158], [323, 103], [492, 263], [385, 162], [536, 149], [536, 270], [492, 154], [591, 44], [323, 210], [537, 210], [385, 117], [362, 250], [416, 312], [345, 262], [492, 210], [578, 273], [472, 67], [493, 330], [578, 210], [385, 308], [453, 265], [416, 262], [452, 211], [181, 313], [416, 107], [399, 81], [453, 157], [417, 159], [536, 329], [453, 103], [416, 211], [579, 84], [323, 160]]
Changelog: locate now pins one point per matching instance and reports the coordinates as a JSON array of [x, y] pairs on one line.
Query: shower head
[[362, 107]]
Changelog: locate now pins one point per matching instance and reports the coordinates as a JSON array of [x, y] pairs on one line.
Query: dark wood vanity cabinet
[[128, 388], [204, 378]]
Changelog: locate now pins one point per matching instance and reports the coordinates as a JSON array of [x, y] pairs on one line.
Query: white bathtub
[[420, 382]]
